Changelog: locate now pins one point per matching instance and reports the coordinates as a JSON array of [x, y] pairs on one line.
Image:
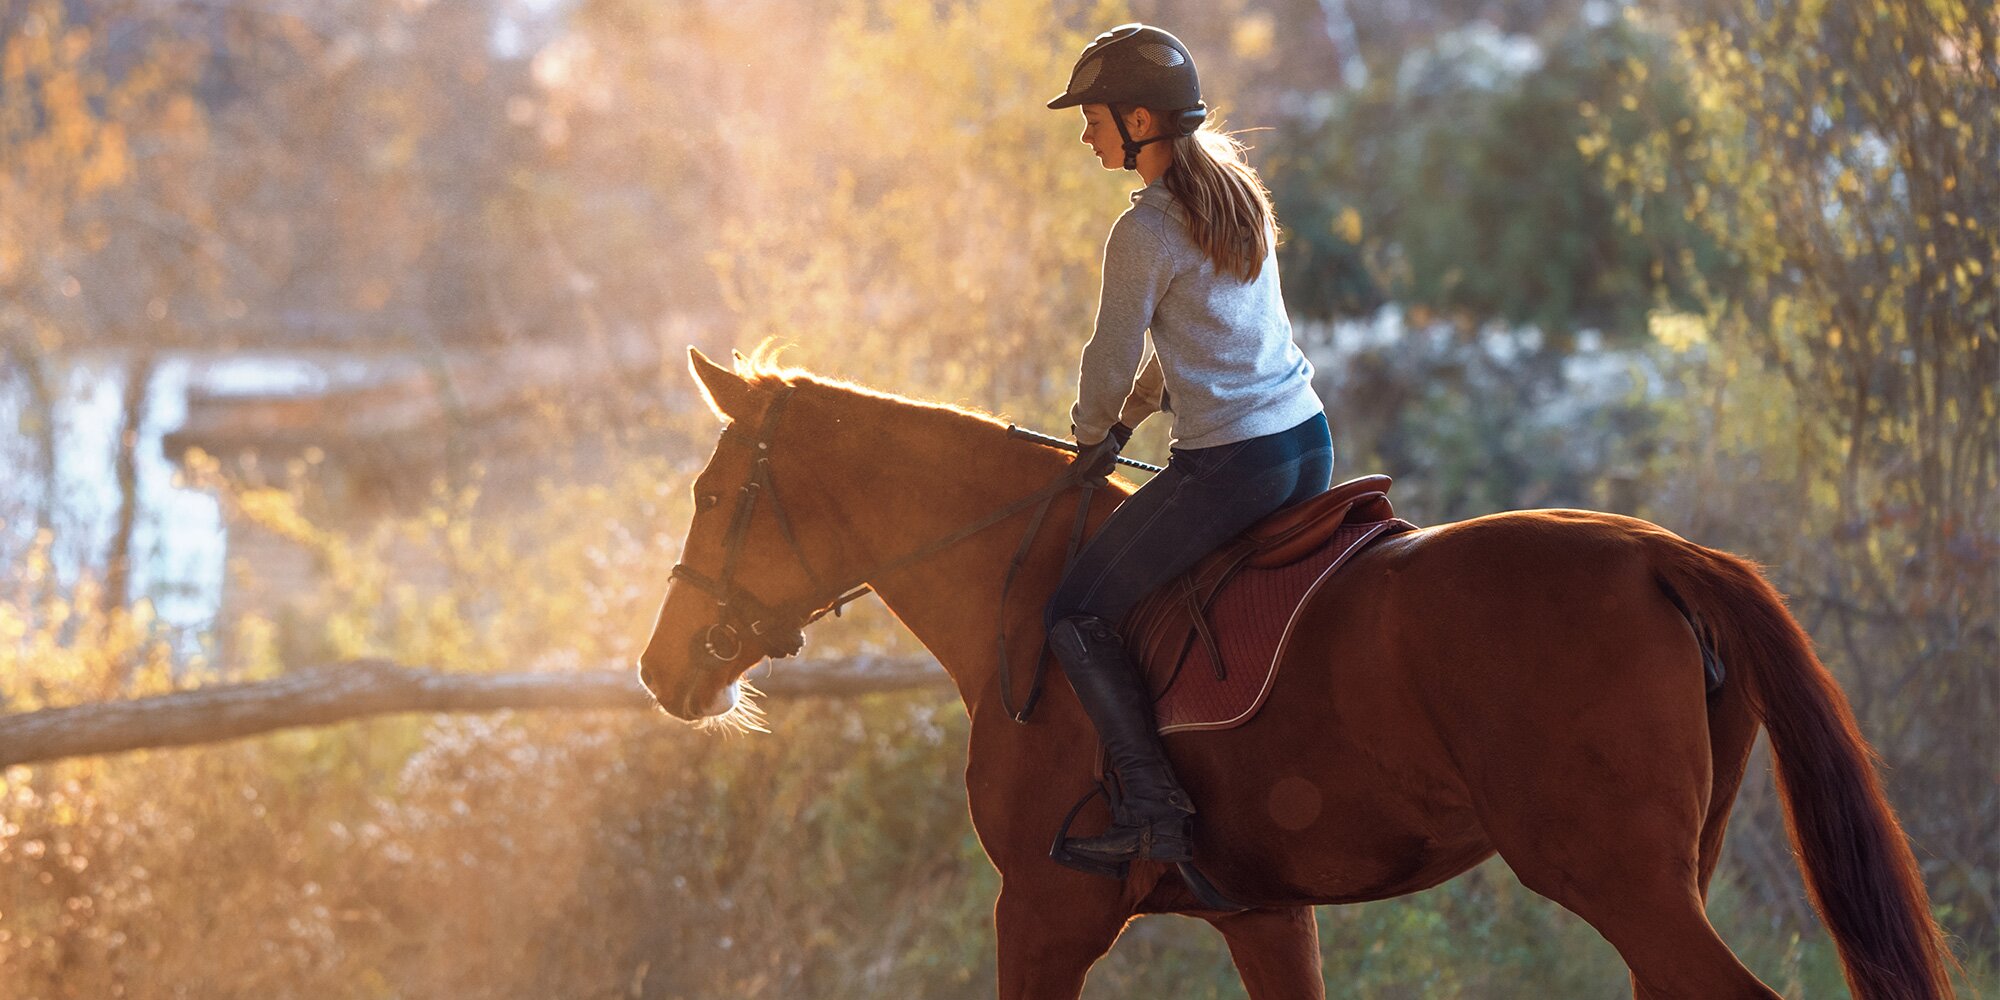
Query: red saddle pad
[[1251, 617]]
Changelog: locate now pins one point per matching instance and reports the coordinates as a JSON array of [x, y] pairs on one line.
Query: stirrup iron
[[1059, 851]]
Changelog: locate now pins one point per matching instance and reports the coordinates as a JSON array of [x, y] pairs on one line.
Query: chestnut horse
[[1527, 683]]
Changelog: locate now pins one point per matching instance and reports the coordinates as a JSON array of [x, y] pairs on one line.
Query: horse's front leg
[[1052, 926], [1276, 952]]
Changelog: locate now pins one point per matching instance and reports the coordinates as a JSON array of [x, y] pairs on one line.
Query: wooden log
[[324, 695]]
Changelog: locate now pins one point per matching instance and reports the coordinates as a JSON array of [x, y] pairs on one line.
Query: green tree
[[1463, 184], [1842, 154]]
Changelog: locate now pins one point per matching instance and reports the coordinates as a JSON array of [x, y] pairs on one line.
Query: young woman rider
[[1194, 262]]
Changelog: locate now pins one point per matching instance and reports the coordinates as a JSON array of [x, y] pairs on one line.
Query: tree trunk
[[118, 558], [42, 402], [325, 695]]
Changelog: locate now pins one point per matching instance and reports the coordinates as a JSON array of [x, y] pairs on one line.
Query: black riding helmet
[[1143, 66]]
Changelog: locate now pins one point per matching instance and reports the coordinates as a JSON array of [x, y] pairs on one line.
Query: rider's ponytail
[[1228, 207]]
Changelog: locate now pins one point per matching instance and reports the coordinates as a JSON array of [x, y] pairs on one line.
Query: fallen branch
[[324, 695]]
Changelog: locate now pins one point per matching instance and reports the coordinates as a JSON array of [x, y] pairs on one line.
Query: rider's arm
[[1137, 269], [1148, 392]]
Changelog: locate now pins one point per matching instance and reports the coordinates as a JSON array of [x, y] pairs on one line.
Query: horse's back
[[1503, 627]]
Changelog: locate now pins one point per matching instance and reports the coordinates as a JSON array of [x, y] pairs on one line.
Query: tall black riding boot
[[1151, 818]]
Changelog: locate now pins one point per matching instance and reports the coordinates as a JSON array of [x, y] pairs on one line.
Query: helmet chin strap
[[1132, 147]]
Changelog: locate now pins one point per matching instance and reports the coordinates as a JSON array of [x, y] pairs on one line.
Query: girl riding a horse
[[1193, 261], [1572, 726]]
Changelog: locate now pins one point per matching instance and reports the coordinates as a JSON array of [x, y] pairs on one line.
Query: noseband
[[779, 630]]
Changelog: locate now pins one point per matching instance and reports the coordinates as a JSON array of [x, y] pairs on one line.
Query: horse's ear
[[726, 392]]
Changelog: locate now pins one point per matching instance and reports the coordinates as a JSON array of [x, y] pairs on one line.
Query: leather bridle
[[779, 629]]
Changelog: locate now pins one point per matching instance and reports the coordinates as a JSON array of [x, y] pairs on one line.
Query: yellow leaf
[[1348, 225], [1678, 332]]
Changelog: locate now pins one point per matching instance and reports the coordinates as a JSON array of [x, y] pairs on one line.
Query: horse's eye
[[706, 501]]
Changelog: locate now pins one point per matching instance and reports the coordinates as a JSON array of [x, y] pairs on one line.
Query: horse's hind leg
[[1602, 797], [1276, 952], [1640, 887], [1732, 730], [1667, 942]]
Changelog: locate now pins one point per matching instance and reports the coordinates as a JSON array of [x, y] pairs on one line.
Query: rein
[[779, 630]]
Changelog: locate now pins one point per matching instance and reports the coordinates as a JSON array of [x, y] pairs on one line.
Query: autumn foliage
[[1730, 266]]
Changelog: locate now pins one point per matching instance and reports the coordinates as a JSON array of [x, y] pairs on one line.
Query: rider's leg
[[1204, 498], [1151, 815]]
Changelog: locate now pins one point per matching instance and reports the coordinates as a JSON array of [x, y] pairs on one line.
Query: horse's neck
[[951, 600]]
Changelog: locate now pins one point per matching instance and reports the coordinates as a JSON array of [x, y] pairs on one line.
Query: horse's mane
[[962, 425], [764, 372]]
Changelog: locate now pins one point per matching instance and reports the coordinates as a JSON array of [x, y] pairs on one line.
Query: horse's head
[[745, 585]]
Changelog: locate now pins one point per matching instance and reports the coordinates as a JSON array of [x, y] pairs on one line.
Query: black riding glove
[[1095, 461]]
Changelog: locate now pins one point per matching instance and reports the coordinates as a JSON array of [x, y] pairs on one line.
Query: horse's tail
[[1858, 868]]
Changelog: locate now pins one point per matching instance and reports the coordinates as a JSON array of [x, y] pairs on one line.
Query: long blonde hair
[[1228, 208]]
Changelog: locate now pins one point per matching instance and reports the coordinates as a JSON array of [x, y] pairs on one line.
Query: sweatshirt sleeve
[[1148, 392], [1137, 269]]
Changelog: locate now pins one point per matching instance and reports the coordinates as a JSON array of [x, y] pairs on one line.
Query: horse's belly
[[1297, 832]]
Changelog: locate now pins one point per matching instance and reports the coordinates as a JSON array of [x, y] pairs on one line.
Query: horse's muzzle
[[719, 703]]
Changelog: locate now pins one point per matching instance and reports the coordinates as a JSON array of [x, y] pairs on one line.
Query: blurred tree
[[886, 186], [1463, 184], [106, 235], [60, 150], [1843, 155], [367, 165], [1457, 186]]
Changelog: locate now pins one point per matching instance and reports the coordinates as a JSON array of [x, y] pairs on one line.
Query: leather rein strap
[[779, 630]]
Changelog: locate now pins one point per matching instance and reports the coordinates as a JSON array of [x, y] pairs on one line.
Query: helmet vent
[[1086, 75], [1161, 55]]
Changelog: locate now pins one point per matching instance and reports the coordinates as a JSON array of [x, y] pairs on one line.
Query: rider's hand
[[1096, 460]]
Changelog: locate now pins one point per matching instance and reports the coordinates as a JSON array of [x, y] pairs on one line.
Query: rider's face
[[1101, 135]]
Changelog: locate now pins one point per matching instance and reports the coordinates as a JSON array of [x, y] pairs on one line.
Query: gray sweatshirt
[[1220, 350]]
